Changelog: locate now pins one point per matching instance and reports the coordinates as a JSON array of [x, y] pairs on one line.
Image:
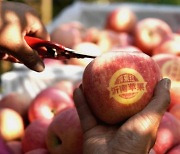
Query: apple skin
[[174, 150], [121, 20], [38, 151], [175, 110], [15, 147], [11, 124], [168, 134], [48, 103], [107, 79], [151, 32], [34, 136], [65, 134], [169, 65]]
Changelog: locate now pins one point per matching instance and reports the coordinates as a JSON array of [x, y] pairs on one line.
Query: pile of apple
[[48, 123], [133, 55]]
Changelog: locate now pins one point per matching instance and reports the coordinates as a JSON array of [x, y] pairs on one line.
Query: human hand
[[16, 21], [135, 136]]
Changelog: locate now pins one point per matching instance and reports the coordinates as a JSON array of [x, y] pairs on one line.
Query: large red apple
[[121, 20], [11, 124], [168, 134], [117, 85], [64, 134], [170, 67], [151, 32], [34, 137], [48, 103]]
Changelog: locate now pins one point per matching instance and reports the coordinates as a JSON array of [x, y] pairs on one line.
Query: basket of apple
[[133, 55]]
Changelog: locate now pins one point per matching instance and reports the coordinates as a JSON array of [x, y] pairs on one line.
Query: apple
[[68, 34], [125, 39], [121, 83], [175, 110], [107, 40], [48, 103], [128, 48], [88, 48], [174, 150], [65, 85], [16, 101], [34, 136], [168, 134], [65, 134], [121, 19], [4, 149], [170, 67], [150, 33], [11, 124], [169, 46], [15, 146], [38, 151], [91, 35]]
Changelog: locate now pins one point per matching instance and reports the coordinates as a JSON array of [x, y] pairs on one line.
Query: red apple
[[91, 35], [169, 46], [86, 48], [170, 67], [150, 33], [64, 134], [38, 151], [121, 20], [168, 134], [121, 83], [174, 150], [34, 137], [68, 34], [11, 124], [175, 110], [16, 101], [128, 48], [15, 147], [48, 103], [65, 85]]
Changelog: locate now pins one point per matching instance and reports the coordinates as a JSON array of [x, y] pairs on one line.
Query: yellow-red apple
[[64, 134], [34, 136], [11, 124], [117, 85], [168, 134], [170, 67], [48, 103], [150, 33], [121, 19]]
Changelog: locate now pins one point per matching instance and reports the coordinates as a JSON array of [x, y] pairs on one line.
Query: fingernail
[[39, 67], [167, 83]]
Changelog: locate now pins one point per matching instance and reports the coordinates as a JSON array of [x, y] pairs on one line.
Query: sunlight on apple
[[46, 112]]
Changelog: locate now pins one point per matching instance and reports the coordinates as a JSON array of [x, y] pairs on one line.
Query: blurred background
[[49, 9]]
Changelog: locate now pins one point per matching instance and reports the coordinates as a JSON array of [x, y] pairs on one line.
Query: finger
[[88, 121], [146, 122]]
